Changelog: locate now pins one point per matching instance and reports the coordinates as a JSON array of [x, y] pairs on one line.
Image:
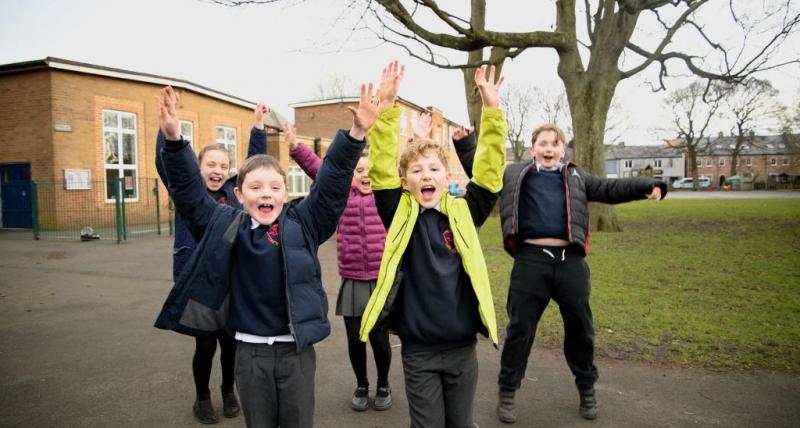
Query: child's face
[[426, 178], [361, 176], [547, 150], [263, 194], [214, 167]]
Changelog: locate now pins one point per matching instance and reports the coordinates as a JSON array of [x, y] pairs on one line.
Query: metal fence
[[118, 209]]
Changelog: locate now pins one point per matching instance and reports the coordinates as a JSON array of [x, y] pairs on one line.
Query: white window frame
[[785, 161], [773, 162], [628, 163], [403, 122], [749, 162], [228, 142], [721, 162], [709, 162], [296, 177], [190, 135], [119, 166], [657, 163], [699, 161]]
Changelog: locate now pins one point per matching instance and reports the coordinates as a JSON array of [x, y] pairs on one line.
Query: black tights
[[205, 348], [358, 352]]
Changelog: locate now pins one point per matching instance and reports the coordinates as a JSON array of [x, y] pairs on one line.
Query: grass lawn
[[692, 282]]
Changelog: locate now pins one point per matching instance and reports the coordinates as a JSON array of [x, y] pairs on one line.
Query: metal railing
[[126, 209]]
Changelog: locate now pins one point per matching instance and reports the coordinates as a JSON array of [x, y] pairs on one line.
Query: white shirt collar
[[437, 208], [557, 167]]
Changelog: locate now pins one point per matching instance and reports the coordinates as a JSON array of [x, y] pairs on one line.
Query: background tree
[[334, 85], [693, 109], [599, 43], [748, 104], [592, 65], [517, 102]]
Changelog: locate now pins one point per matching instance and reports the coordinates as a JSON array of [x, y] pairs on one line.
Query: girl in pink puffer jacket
[[359, 246]]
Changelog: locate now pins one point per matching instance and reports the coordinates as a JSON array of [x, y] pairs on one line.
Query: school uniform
[[537, 203], [433, 287], [264, 284]]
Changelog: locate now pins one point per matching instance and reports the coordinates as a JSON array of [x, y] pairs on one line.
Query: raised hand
[[258, 115], [461, 133], [390, 82], [490, 91], [168, 113], [289, 135], [366, 114], [423, 126]]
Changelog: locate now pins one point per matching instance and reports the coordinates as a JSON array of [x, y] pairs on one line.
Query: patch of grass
[[706, 282]]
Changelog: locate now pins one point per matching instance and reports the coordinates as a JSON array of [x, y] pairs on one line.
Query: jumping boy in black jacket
[[545, 220]]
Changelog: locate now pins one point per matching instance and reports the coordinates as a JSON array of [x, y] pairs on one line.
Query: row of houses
[[88, 128]]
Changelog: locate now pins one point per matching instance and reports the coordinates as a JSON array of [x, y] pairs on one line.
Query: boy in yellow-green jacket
[[433, 288]]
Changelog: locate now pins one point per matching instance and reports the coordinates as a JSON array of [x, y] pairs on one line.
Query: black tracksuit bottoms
[[542, 273]]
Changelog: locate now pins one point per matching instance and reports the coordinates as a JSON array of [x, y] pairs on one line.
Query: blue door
[[15, 189]]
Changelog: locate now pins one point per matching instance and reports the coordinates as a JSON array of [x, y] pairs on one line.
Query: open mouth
[[365, 182], [215, 179], [427, 191], [265, 208], [548, 158]]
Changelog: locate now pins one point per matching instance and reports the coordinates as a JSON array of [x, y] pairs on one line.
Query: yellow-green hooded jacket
[[488, 168]]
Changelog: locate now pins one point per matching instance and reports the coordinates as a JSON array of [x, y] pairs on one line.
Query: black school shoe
[[230, 405], [505, 406], [588, 402], [204, 412]]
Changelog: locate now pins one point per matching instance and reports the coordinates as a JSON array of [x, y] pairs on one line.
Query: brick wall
[[25, 122]]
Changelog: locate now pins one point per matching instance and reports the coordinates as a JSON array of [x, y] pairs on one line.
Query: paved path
[[77, 349]]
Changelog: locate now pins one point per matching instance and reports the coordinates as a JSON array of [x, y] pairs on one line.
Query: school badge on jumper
[[449, 242], [273, 236]]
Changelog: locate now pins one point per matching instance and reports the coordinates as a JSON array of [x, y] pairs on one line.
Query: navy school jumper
[[198, 304]]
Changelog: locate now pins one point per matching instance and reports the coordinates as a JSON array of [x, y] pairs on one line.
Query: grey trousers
[[276, 384], [440, 387]]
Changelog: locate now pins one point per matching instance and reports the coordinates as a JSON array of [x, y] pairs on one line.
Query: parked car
[[688, 183]]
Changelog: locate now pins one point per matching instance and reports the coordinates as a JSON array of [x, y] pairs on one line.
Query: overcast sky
[[279, 54]]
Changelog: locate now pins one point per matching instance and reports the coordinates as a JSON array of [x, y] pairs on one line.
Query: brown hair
[[210, 147], [560, 135], [417, 148], [259, 161]]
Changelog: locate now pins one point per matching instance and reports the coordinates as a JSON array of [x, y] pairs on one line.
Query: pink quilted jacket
[[360, 233]]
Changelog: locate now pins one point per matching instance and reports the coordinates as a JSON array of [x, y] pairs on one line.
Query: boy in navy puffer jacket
[[215, 164], [256, 271]]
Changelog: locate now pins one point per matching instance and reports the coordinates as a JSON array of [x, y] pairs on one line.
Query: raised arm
[[489, 163], [325, 203], [181, 168], [305, 158], [465, 143], [383, 145], [258, 135]]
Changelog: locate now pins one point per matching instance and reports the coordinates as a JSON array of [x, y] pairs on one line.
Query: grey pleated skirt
[[353, 297]]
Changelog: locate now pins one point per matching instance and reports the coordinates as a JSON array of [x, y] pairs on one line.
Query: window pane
[[111, 147], [129, 183], [109, 119], [186, 129], [220, 134], [111, 190], [128, 121], [128, 149]]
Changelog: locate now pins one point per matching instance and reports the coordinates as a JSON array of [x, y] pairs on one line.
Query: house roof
[[755, 145], [354, 100], [641, 152], [272, 119]]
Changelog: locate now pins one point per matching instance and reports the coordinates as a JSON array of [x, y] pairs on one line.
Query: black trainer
[[204, 412], [588, 402], [360, 400], [230, 405]]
